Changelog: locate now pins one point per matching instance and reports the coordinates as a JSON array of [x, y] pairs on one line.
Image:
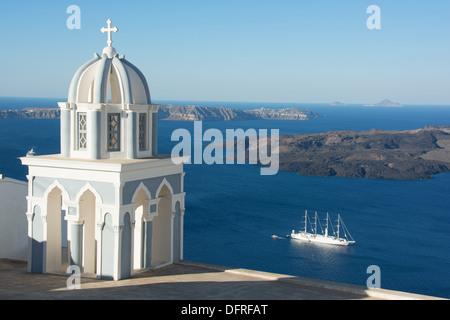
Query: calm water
[[232, 211], [12, 103]]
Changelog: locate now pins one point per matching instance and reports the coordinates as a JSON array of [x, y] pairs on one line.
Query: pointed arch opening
[[56, 232], [87, 208], [142, 208], [107, 256], [37, 242], [177, 233], [162, 228], [126, 248]]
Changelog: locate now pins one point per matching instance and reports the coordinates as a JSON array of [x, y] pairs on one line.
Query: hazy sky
[[237, 50]]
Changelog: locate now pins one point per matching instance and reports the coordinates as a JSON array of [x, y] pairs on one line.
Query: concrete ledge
[[185, 281], [382, 294]]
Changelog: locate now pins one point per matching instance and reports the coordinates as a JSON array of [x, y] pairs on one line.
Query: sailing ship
[[324, 236]]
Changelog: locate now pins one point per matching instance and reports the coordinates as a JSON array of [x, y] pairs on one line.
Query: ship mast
[[339, 218], [306, 221], [315, 224]]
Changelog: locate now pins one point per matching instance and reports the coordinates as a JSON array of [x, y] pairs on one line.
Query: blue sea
[[232, 211]]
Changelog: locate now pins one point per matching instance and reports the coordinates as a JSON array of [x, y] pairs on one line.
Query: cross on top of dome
[[109, 30]]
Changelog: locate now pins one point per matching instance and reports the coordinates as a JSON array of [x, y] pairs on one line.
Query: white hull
[[323, 237], [320, 239]]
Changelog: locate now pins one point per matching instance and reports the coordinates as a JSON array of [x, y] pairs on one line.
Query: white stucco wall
[[13, 220]]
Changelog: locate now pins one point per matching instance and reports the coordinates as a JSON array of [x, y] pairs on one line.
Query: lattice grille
[[82, 131], [114, 132], [142, 132]]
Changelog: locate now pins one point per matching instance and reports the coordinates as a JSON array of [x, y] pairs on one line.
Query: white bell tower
[[109, 113], [109, 203]]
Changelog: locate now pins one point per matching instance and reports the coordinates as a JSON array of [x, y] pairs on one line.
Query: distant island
[[31, 113], [338, 104], [376, 154], [198, 113], [385, 103], [184, 113]]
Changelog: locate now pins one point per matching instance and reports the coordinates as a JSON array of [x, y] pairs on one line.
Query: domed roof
[[109, 79]]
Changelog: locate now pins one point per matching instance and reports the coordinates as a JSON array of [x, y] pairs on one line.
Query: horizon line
[[261, 102]]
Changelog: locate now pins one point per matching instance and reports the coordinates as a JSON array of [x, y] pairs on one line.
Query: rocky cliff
[[184, 113], [31, 113]]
